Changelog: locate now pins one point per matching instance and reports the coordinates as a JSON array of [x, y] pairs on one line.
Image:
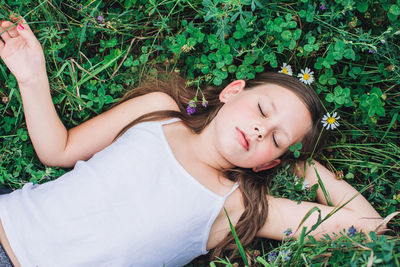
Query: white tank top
[[131, 204]]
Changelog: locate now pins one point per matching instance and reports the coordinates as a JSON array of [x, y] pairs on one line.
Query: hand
[[21, 51]]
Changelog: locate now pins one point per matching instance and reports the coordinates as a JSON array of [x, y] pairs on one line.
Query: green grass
[[352, 47]]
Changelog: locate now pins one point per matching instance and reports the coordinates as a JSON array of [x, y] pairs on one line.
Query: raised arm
[[285, 213], [53, 143]]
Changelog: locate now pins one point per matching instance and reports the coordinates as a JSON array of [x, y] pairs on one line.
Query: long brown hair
[[254, 186]]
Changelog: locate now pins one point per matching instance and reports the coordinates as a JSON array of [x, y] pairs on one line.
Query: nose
[[260, 131]]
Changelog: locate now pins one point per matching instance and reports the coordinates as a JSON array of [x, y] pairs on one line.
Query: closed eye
[[261, 111], [276, 143]]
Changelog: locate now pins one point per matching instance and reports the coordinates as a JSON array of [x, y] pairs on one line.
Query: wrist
[[37, 81]]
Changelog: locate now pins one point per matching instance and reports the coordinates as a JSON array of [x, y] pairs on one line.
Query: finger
[[4, 33], [25, 31], [1, 47], [11, 28]]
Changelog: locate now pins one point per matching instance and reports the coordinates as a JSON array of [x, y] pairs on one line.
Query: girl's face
[[255, 127]]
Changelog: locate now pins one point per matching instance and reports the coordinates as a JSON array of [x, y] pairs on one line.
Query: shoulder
[[156, 101]]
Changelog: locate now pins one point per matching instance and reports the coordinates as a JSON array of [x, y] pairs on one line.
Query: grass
[[352, 47]]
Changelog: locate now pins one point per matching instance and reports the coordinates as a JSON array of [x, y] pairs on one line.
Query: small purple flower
[[383, 41], [272, 256], [322, 7], [191, 107], [286, 254], [352, 231], [371, 51], [287, 232], [89, 23], [100, 19], [80, 7], [204, 102]]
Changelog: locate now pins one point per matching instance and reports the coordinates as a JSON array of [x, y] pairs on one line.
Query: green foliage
[[296, 149], [97, 50]]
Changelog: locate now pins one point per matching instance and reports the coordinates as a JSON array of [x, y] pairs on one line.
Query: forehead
[[274, 89]]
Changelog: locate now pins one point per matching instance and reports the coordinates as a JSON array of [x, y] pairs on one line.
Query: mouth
[[243, 140]]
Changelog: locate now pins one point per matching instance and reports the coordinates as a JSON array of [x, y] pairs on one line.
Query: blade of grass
[[300, 242], [308, 214], [96, 71], [240, 247], [390, 126], [321, 184], [83, 32]]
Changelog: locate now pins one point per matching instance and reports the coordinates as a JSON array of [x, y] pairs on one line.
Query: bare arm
[[53, 143], [285, 213]]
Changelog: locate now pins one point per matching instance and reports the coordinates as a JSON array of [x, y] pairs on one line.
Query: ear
[[267, 165], [231, 89]]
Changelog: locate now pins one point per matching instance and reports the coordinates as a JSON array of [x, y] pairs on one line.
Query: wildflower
[[80, 7], [100, 19], [287, 232], [306, 184], [204, 102], [352, 231], [286, 69], [383, 41], [371, 51], [191, 108], [322, 7], [186, 48], [306, 76], [272, 256], [330, 121], [285, 254], [89, 23]]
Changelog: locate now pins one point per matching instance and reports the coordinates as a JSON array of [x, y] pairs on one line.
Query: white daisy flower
[[305, 185], [331, 122], [286, 69], [306, 76]]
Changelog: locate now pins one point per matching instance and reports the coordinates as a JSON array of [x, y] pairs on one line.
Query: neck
[[205, 150]]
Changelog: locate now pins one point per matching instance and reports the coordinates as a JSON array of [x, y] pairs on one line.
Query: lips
[[243, 140]]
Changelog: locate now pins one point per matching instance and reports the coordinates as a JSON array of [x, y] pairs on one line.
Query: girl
[[148, 190]]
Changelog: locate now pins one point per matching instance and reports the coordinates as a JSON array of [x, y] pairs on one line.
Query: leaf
[[239, 245], [394, 118], [321, 184], [349, 54], [329, 97], [376, 91], [362, 6], [338, 90], [395, 10], [380, 111], [232, 68], [308, 214], [286, 35], [263, 262], [308, 48], [323, 79], [332, 81]]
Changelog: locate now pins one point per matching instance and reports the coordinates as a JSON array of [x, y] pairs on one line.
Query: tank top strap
[[236, 185], [172, 120]]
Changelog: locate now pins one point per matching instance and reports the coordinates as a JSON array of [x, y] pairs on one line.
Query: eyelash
[[276, 144], [263, 114], [261, 111]]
